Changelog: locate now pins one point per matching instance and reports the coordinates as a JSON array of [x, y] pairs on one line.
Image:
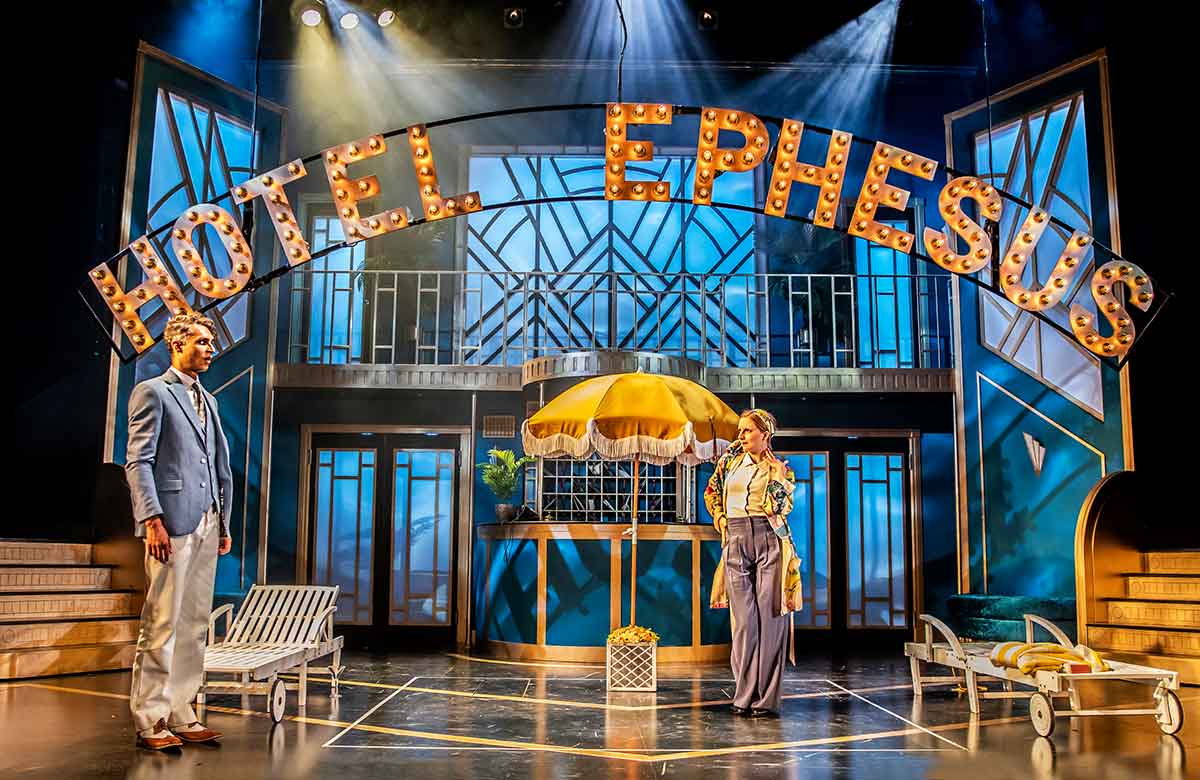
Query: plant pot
[[632, 667], [506, 513]]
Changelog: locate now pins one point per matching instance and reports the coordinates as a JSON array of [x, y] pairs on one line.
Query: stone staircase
[[59, 613], [1157, 623]]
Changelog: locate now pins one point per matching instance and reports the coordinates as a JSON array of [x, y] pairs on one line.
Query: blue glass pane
[[323, 519], [896, 523], [345, 463], [1047, 153], [874, 468], [189, 138], [235, 139], [854, 544], [876, 563], [400, 522], [324, 456], [165, 175], [444, 522], [1073, 181], [423, 508], [424, 463], [821, 543]]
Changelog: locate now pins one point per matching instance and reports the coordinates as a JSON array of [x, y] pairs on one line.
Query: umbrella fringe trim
[[648, 448], [556, 444]]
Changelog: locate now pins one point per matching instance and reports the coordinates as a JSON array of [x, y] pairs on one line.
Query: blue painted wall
[[1031, 518]]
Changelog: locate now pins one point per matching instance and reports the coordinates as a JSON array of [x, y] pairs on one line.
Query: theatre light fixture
[[311, 16], [349, 20], [385, 17], [708, 19], [514, 18]]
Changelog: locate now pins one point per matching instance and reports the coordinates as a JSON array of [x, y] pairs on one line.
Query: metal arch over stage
[[1115, 272]]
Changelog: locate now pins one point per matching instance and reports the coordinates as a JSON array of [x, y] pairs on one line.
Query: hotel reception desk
[[553, 591]]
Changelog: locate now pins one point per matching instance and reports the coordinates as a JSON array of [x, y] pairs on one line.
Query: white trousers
[[168, 668]]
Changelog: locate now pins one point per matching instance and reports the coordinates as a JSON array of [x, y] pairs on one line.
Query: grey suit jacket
[[174, 468]]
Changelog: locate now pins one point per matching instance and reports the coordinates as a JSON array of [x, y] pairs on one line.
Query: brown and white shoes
[[158, 738], [162, 736], [196, 732]]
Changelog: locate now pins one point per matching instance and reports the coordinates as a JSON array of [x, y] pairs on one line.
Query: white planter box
[[632, 667]]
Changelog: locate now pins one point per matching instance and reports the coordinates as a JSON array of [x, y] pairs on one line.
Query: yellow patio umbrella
[[643, 417]]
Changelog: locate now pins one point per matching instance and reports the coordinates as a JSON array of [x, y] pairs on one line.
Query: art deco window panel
[[422, 536], [1042, 157], [809, 523], [876, 541], [199, 154], [606, 275], [343, 549]]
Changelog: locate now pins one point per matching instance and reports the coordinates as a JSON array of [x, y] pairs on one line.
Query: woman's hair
[[762, 419], [181, 326]]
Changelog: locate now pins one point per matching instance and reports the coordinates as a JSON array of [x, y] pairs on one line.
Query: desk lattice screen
[[601, 491]]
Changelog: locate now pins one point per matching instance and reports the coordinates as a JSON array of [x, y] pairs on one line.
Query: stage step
[[1138, 639], [1173, 562], [45, 661], [54, 578], [1188, 668], [59, 613], [1156, 614], [22, 552], [29, 607], [65, 633], [1163, 587]]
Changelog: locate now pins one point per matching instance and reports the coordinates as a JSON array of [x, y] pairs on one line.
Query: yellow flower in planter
[[632, 635]]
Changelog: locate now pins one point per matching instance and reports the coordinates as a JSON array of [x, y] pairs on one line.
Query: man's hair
[[181, 326]]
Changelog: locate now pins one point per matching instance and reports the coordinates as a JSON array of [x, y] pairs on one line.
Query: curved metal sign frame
[[1113, 281]]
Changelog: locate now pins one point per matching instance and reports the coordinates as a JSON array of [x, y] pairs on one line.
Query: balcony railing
[[486, 318]]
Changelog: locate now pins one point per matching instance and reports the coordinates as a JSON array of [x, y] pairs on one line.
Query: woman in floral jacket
[[749, 497]]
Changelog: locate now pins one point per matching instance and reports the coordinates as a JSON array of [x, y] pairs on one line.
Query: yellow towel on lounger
[[1044, 656]]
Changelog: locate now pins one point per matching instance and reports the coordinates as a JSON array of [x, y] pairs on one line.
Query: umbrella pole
[[633, 559]]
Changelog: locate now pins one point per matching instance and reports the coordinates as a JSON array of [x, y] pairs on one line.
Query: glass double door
[[851, 526], [382, 528]]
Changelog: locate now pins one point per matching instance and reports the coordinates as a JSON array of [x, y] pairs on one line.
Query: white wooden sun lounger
[[973, 659], [278, 628]]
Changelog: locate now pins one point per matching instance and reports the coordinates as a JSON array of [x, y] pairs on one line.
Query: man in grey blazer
[[177, 466]]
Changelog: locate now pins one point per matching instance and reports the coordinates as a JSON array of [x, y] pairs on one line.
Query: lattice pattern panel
[[1043, 158], [601, 491], [614, 275], [632, 667], [199, 153]]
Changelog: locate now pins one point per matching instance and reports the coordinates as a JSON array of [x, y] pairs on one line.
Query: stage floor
[[454, 716]]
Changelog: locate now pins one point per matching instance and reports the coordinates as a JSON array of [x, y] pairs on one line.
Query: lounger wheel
[[1041, 712], [1170, 711], [277, 701]]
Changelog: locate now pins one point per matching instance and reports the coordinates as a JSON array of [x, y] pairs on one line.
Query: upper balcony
[[476, 329]]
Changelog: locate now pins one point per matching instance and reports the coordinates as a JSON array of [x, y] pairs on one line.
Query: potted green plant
[[500, 474]]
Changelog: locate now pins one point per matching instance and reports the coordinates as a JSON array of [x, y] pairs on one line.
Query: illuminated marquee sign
[[787, 170]]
